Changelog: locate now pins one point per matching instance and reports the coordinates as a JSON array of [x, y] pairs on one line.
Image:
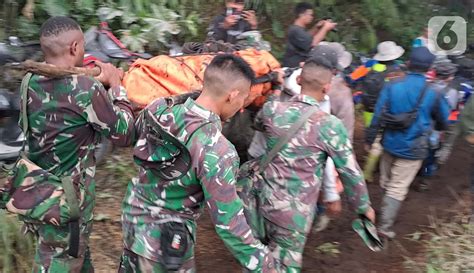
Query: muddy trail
[[353, 256]]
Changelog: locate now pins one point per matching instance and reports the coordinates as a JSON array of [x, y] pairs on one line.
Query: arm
[[217, 30], [440, 113], [373, 130], [319, 35], [330, 193], [337, 145], [110, 113], [217, 175]]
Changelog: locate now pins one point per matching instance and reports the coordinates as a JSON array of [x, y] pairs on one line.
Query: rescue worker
[[445, 71], [405, 137], [67, 117], [384, 70], [158, 208], [293, 178]]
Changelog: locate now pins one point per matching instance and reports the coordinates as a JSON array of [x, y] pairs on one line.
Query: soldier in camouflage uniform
[[293, 178], [152, 201], [67, 117]]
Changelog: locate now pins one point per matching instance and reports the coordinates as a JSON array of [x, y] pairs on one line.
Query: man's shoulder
[[213, 145]]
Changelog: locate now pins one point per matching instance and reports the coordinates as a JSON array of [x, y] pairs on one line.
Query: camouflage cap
[[368, 232], [161, 152]]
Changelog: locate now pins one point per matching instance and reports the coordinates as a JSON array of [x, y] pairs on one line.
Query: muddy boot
[[390, 208], [321, 223], [370, 166], [423, 185]]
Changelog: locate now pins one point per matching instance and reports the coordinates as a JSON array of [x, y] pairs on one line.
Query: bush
[[17, 250]]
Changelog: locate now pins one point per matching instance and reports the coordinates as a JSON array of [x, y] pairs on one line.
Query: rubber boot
[[370, 165], [390, 208]]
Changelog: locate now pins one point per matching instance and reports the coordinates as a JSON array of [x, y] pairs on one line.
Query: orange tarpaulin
[[164, 76]]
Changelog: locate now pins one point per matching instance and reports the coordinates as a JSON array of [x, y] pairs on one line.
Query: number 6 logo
[[447, 35]]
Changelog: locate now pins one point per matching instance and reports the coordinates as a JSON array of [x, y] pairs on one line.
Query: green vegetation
[[17, 250], [152, 25]]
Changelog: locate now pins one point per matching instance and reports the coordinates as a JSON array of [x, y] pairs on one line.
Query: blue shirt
[[402, 96]]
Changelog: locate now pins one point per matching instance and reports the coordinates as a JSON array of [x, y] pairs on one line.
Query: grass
[[449, 244], [16, 249], [120, 167]]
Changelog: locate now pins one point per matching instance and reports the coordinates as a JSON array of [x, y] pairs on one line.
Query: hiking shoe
[[322, 222], [389, 234], [423, 186]]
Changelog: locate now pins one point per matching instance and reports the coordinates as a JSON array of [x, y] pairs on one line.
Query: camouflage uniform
[[292, 180], [151, 201], [66, 119]]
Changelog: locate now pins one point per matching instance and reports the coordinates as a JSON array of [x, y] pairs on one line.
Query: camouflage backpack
[[38, 196]]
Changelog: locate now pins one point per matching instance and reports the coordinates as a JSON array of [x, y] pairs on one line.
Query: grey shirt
[[298, 46]]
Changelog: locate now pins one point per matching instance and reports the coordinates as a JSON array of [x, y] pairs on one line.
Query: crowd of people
[[301, 159]]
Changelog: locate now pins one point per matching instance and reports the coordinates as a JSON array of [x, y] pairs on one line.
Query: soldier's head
[[227, 82], [315, 78], [62, 41]]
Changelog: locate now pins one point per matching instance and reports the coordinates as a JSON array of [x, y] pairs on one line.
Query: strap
[[285, 138], [72, 200], [420, 98], [418, 101], [24, 100]]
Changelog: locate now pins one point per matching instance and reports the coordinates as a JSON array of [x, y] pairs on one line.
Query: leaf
[[431, 269], [277, 29], [101, 217], [416, 236], [109, 13], [88, 5], [57, 7]]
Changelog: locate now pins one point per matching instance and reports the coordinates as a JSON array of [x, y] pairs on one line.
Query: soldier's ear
[[298, 80], [74, 48], [233, 95]]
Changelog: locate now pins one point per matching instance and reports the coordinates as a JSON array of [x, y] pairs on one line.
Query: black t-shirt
[[298, 46], [217, 32]]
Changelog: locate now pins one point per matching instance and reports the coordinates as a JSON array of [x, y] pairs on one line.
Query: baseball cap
[[421, 57], [328, 53]]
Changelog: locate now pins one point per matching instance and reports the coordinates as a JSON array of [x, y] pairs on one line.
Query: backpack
[[371, 87]]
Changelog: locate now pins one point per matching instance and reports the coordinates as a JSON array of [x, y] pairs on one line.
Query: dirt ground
[[212, 256]]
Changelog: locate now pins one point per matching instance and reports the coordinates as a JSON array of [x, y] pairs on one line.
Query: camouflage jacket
[[210, 180], [66, 119], [294, 176]]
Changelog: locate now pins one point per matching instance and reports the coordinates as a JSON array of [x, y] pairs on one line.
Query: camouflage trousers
[[52, 250], [287, 247]]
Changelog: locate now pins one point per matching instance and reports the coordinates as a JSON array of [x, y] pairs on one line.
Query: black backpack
[[371, 87]]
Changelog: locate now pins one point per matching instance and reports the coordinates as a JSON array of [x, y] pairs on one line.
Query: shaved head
[[227, 82], [316, 74], [62, 40], [226, 73]]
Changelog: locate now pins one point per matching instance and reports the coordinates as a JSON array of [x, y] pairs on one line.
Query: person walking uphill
[[381, 72], [66, 118], [287, 202], [191, 165], [407, 110]]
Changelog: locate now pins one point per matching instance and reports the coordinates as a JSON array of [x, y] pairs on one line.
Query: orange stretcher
[[164, 76]]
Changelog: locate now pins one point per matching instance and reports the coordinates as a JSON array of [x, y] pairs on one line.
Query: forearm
[[319, 37], [113, 115]]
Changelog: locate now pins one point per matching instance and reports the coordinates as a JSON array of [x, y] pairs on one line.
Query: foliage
[[153, 25], [17, 250]]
